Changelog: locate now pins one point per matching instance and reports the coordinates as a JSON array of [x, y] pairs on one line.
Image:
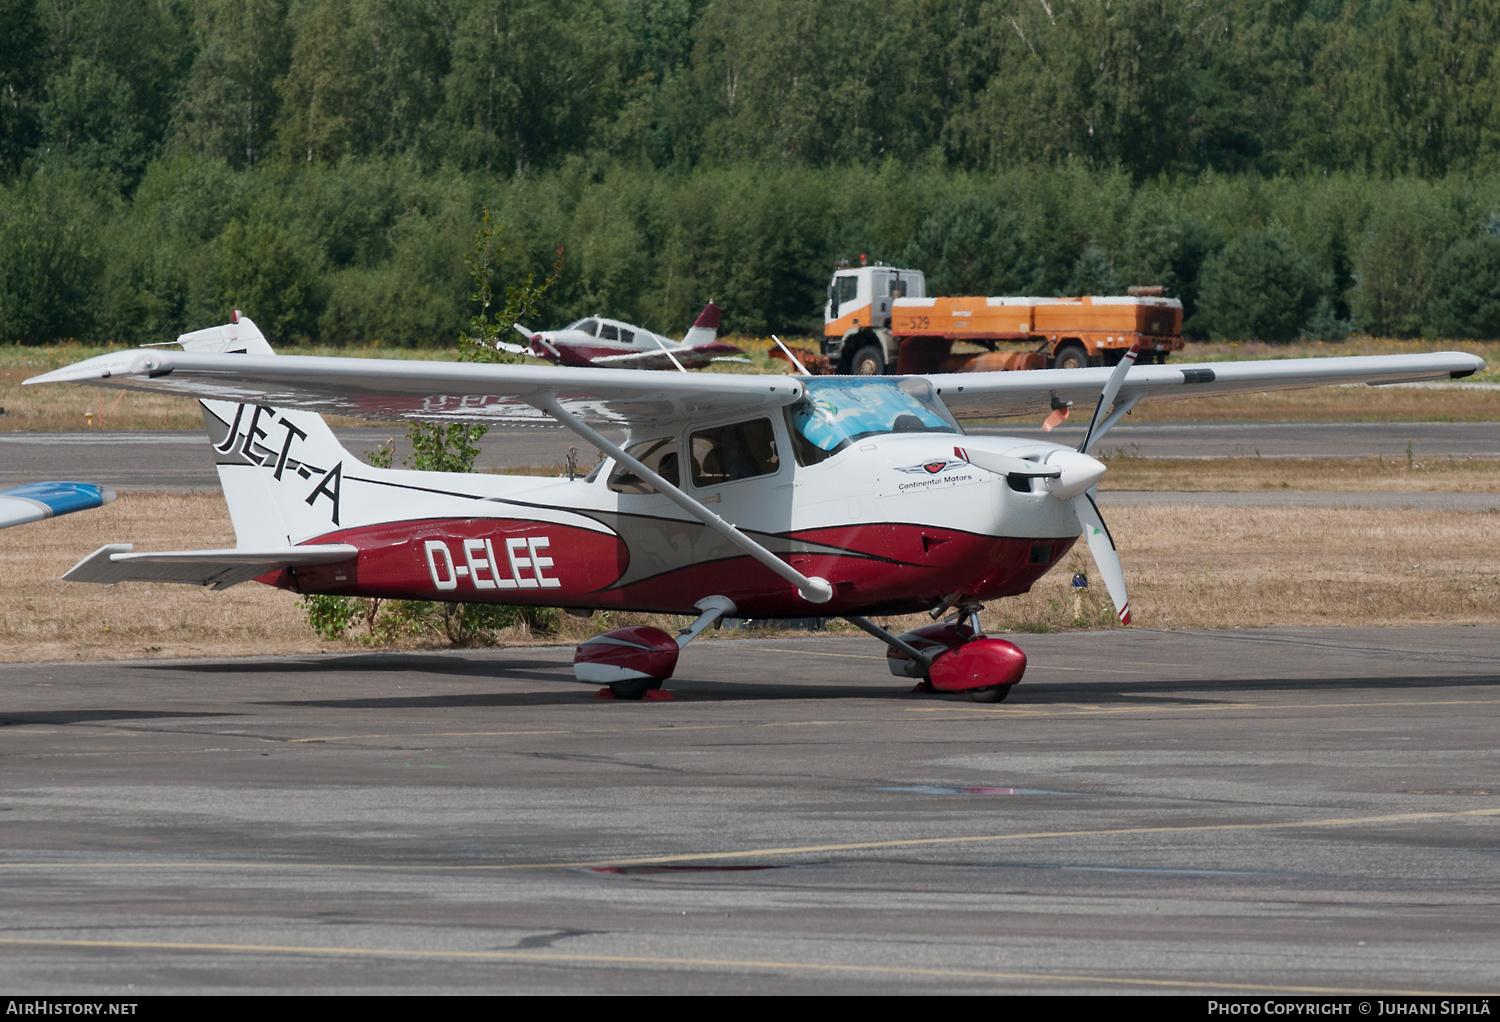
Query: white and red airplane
[[755, 496], [611, 344]]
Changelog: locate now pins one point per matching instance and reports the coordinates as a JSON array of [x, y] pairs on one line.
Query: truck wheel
[[1071, 356], [867, 361]]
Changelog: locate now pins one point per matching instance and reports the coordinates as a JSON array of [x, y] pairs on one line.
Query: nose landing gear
[[953, 656]]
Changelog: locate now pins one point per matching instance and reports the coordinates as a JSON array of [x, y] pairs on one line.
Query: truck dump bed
[[1092, 329], [1017, 319]]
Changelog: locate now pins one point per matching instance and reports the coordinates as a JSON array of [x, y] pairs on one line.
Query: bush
[[268, 272], [47, 265], [1257, 288], [1466, 289], [969, 246], [1404, 239]]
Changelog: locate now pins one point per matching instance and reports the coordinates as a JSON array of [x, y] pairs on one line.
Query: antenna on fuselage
[[794, 359]]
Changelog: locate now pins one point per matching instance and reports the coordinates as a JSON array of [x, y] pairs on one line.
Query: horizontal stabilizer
[[221, 569]]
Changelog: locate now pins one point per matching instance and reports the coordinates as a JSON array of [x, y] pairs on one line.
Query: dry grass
[[1213, 568], [1326, 475], [43, 618], [1291, 567], [1446, 403]]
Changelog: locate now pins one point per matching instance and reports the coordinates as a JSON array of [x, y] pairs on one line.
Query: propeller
[[1080, 474], [1073, 476]]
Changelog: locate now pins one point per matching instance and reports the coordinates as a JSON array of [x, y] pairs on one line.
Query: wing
[[387, 389], [658, 359], [996, 395], [691, 357], [36, 501]]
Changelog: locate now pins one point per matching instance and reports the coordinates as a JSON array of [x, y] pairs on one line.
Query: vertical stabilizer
[[705, 328], [281, 469]]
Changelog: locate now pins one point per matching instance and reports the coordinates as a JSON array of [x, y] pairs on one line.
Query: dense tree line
[[1284, 166]]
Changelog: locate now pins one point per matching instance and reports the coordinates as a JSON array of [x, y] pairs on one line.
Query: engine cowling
[[626, 654]]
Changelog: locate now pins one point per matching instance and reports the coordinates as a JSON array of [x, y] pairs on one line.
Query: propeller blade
[[1057, 418], [1107, 396], [1106, 557], [1006, 465]]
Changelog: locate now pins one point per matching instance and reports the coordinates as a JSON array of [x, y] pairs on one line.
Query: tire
[[993, 694], [635, 688], [867, 361], [1071, 355]]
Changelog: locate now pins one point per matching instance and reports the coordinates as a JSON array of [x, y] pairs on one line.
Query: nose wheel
[[993, 694]]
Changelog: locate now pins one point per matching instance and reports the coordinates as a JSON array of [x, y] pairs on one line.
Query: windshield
[[840, 410]]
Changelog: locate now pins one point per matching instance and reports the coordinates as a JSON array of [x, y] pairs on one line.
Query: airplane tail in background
[[705, 328], [281, 470]]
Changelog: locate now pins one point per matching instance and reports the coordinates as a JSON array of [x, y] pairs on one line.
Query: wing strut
[[813, 590]]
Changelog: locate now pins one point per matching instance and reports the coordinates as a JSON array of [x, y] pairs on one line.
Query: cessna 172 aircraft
[[755, 496], [611, 344], [36, 501]]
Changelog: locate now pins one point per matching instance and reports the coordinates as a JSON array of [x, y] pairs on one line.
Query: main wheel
[[867, 361], [993, 694], [635, 688], [1071, 356]]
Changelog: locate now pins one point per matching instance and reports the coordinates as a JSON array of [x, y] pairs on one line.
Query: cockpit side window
[[609, 332], [660, 456], [742, 450], [837, 411]]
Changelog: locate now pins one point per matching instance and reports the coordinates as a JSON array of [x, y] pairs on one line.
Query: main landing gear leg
[[633, 662]]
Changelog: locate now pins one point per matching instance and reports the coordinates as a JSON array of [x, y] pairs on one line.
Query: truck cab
[[857, 316]]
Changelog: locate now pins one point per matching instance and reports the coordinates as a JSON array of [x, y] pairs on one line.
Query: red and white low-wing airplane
[[611, 344], [755, 496]]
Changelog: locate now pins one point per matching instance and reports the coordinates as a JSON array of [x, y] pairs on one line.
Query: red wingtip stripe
[[1125, 614]]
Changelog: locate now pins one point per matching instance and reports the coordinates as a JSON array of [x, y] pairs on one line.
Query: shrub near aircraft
[[757, 496], [611, 344]]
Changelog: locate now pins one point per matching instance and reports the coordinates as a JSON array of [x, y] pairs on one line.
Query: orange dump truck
[[878, 319]]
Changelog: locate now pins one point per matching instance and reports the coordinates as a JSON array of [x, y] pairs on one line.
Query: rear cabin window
[[739, 451], [660, 456]]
